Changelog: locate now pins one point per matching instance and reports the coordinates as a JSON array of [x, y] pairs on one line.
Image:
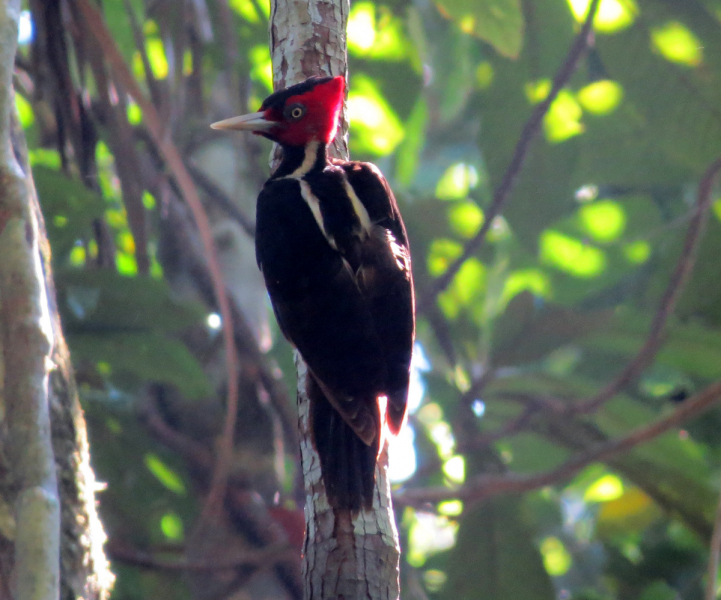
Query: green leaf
[[495, 557], [135, 358], [69, 209], [103, 300], [498, 22]]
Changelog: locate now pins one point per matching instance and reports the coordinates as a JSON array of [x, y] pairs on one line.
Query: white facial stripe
[[311, 154], [358, 207], [314, 205]]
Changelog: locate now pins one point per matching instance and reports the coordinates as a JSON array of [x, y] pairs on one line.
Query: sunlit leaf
[[465, 218], [25, 111], [603, 220], [247, 9], [164, 474], [156, 56], [441, 254], [532, 280], [632, 511], [537, 91], [563, 119], [373, 35], [428, 535], [172, 526], [261, 69], [375, 127], [498, 22], [556, 558], [600, 97], [466, 288], [637, 252], [611, 16], [609, 487], [571, 254], [456, 182], [678, 44]]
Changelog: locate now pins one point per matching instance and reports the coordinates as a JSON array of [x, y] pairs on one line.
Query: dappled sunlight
[[556, 559], [465, 290], [456, 182], [603, 220], [455, 469], [678, 44], [375, 127], [532, 280], [373, 35], [442, 253], [637, 252], [612, 15], [262, 67], [571, 255], [429, 534], [601, 97], [563, 119], [465, 219], [608, 487]]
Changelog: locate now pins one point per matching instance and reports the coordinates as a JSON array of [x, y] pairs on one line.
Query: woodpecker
[[334, 254]]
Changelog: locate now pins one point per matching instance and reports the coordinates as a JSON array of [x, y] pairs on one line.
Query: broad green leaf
[[136, 358], [102, 300], [495, 557], [498, 22], [69, 208]]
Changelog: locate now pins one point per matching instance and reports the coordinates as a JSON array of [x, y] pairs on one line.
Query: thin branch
[[267, 557], [678, 279], [97, 26], [487, 486], [714, 556], [579, 47]]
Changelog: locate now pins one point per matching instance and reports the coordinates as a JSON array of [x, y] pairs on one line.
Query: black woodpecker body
[[333, 250]]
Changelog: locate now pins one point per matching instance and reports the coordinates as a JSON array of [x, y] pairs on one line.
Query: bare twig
[[487, 486], [185, 183], [678, 279], [579, 47], [714, 556]]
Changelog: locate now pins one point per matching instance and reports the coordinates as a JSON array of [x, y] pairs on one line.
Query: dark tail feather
[[347, 463]]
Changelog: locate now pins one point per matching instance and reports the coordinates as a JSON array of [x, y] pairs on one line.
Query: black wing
[[319, 306], [386, 280]]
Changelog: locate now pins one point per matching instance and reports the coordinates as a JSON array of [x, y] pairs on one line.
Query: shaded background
[[553, 307]]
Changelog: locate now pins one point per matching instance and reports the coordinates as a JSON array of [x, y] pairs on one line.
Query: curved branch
[[679, 277], [579, 47], [487, 486]]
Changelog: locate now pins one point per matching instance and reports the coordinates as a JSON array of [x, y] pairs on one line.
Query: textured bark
[[50, 536], [345, 556]]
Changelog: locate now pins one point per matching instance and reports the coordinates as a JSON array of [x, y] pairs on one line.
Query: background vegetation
[[563, 439]]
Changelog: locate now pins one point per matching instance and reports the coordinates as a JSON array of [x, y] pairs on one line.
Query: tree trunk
[[50, 535], [345, 556]]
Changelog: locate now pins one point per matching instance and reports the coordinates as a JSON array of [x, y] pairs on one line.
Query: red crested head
[[298, 115]]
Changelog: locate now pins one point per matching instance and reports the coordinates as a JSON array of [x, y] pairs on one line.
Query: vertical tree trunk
[[345, 556], [50, 536]]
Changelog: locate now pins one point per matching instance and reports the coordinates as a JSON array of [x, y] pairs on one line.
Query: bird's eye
[[295, 111]]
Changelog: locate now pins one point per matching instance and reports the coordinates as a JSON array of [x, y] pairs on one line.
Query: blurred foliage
[[553, 306]]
